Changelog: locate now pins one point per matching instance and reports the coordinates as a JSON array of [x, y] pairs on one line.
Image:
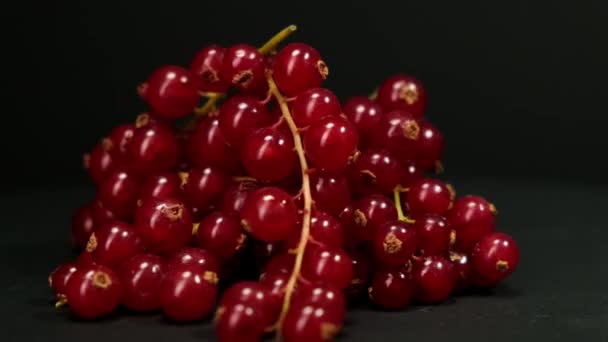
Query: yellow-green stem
[[397, 198]]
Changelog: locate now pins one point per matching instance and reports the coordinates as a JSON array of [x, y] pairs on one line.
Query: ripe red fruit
[[310, 323], [83, 224], [398, 132], [239, 322], [163, 224], [140, 278], [206, 67], [402, 92], [472, 217], [221, 234], [429, 196], [463, 270], [204, 187], [275, 284], [361, 274], [375, 171], [314, 104], [187, 293], [331, 266], [113, 243], [329, 142], [120, 137], [298, 67], [208, 147], [429, 146], [269, 214], [324, 229], [394, 243], [330, 192], [268, 155], [252, 294], [369, 213], [153, 149], [239, 116], [165, 184], [364, 114], [392, 289], [119, 194], [243, 66], [432, 234], [235, 196], [101, 162], [171, 92], [194, 256], [495, 257], [93, 291], [59, 278], [325, 296], [434, 277]]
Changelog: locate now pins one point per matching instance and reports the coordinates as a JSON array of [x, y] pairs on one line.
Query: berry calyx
[[207, 66], [163, 224], [495, 257], [93, 291], [243, 66], [402, 92], [394, 243]]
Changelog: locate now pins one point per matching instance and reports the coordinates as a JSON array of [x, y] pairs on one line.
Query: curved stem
[[304, 235], [397, 199]]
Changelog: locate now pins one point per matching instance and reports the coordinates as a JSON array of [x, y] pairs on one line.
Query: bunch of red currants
[[277, 195]]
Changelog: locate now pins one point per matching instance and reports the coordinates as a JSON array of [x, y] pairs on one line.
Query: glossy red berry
[[331, 266], [93, 291], [221, 234], [361, 274], [83, 224], [194, 256], [429, 196], [402, 92], [243, 66], [113, 243], [187, 293], [208, 147], [251, 294], [100, 215], [265, 251], [120, 137], [204, 187], [59, 278], [364, 114], [434, 277], [314, 104], [239, 116], [463, 270], [161, 185], [495, 257], [235, 196], [410, 172], [429, 147], [325, 296], [394, 243], [331, 193], [140, 277], [239, 322], [152, 150], [269, 214], [298, 67], [163, 224], [171, 92], [329, 143], [471, 217], [324, 229], [398, 132], [119, 194], [392, 289], [310, 323], [268, 155], [432, 234], [371, 212], [275, 284], [207, 66], [101, 162], [375, 171]]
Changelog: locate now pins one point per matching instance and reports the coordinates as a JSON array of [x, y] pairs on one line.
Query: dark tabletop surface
[[559, 292]]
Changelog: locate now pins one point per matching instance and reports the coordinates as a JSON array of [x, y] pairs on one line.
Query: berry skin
[[361, 275], [429, 196], [330, 192], [265, 251], [221, 234], [235, 197], [329, 142], [243, 66], [239, 322], [119, 194], [364, 114], [152, 150], [268, 155], [331, 266], [140, 277], [398, 132], [394, 243], [310, 323], [313, 105], [429, 147], [83, 224], [208, 147], [269, 214], [375, 171], [275, 284], [194, 256], [239, 116], [325, 296], [371, 212], [432, 234], [392, 289], [93, 291], [163, 224], [120, 137], [472, 217], [463, 270], [171, 92], [324, 229], [166, 184], [434, 277], [207, 66], [402, 92], [101, 162], [59, 278], [298, 67], [495, 257], [204, 187], [280, 263], [187, 293], [254, 295], [410, 172], [113, 243]]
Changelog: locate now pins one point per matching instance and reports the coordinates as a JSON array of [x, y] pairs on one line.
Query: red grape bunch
[[275, 205]]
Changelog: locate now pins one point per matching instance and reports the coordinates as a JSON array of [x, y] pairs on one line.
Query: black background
[[517, 87]]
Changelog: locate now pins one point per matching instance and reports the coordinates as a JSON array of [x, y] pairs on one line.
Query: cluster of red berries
[[179, 209]]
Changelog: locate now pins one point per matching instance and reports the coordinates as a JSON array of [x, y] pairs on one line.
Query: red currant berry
[[402, 92], [463, 270], [329, 142], [324, 230], [268, 155], [166, 184], [330, 192], [59, 278], [119, 194], [361, 274], [235, 197], [375, 171], [330, 266], [495, 257], [392, 289], [314, 104], [243, 66], [239, 322], [208, 147], [113, 243], [120, 138], [221, 234], [364, 114], [83, 224], [410, 173], [93, 291], [153, 149], [239, 116], [252, 294], [298, 67], [171, 92], [187, 293], [429, 196], [434, 277], [432, 234], [394, 243], [472, 217], [101, 215], [140, 277], [325, 296], [310, 323], [100, 162], [429, 146], [206, 67], [398, 132], [194, 256], [164, 224], [371, 212], [265, 251], [269, 214], [204, 187]]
